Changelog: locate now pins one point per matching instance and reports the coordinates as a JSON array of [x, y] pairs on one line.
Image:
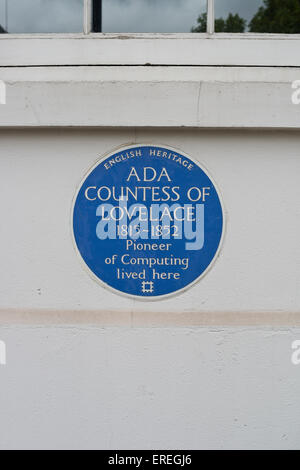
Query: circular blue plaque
[[147, 221]]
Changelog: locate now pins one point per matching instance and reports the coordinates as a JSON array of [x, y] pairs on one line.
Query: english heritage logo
[[148, 221]]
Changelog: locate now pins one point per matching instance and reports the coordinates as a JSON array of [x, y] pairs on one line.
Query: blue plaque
[[148, 221]]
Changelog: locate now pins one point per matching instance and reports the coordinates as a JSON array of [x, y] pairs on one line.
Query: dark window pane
[[257, 16], [97, 16], [277, 16], [151, 16], [41, 16], [233, 16]]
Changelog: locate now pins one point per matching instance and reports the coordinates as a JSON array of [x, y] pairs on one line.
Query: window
[[235, 15], [150, 16], [212, 16], [257, 16], [41, 16]]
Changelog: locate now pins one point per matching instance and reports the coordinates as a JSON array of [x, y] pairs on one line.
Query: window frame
[[169, 49], [93, 8]]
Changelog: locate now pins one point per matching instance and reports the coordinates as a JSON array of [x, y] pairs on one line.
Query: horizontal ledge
[[144, 73], [120, 49], [133, 36], [247, 128], [145, 98], [147, 319]]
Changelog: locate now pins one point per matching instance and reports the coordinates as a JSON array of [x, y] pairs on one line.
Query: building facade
[[211, 368]]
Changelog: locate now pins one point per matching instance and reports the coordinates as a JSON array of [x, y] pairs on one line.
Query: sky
[[118, 15]]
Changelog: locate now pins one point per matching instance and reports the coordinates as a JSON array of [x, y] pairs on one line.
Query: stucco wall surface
[[210, 368]]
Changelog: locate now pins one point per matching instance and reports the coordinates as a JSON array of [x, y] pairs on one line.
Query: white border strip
[[190, 49], [145, 319]]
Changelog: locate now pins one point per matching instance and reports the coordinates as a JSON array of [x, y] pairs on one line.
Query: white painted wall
[[113, 96], [154, 388], [208, 369], [258, 176], [222, 49]]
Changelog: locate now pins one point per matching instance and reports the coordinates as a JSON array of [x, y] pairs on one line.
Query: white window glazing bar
[[87, 16], [210, 16]]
